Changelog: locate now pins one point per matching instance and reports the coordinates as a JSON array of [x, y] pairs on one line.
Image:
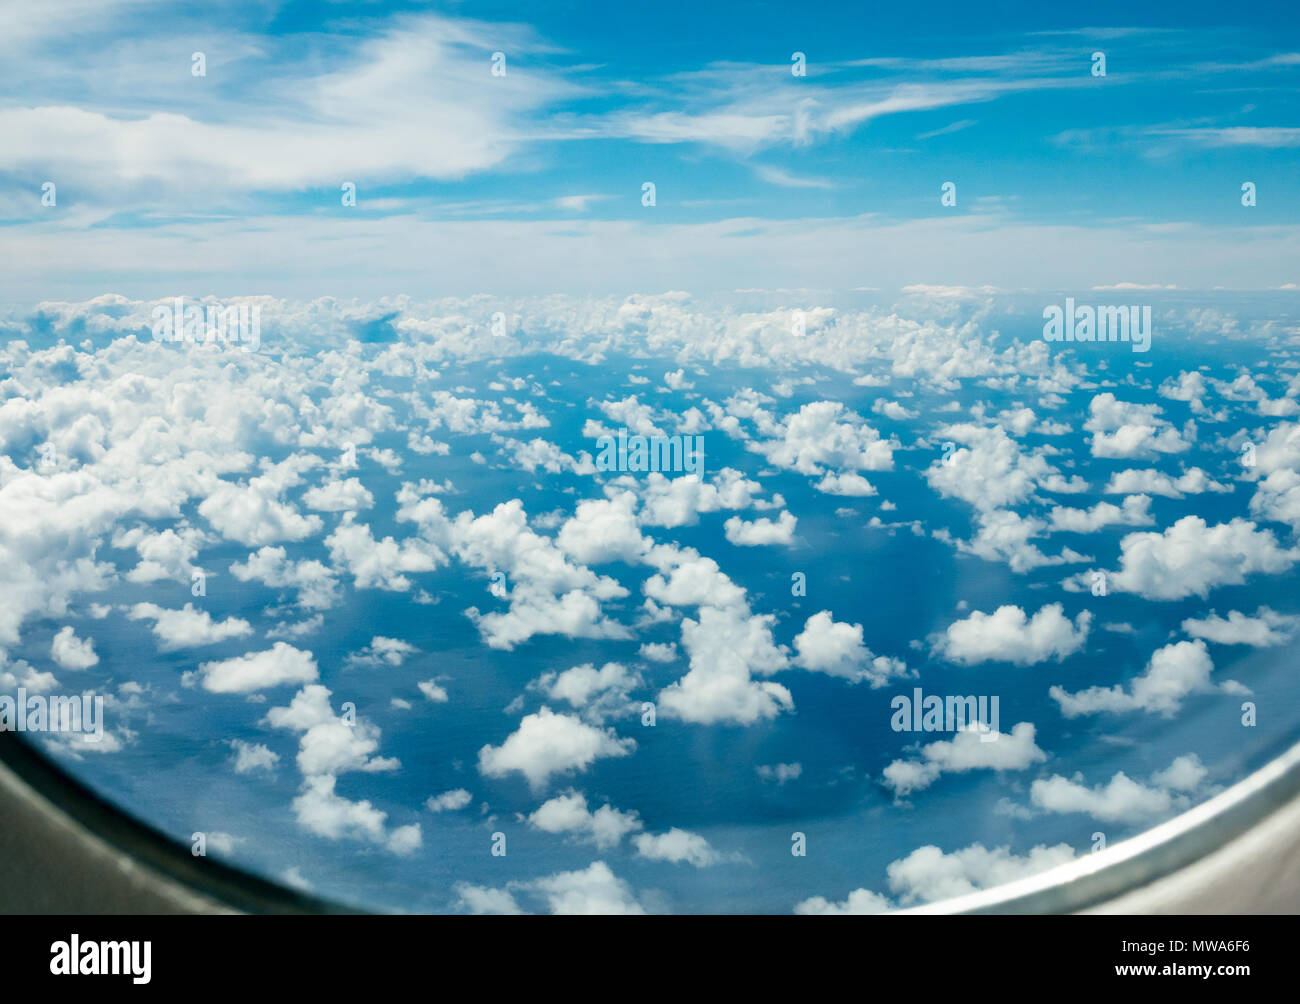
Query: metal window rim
[[1237, 852]]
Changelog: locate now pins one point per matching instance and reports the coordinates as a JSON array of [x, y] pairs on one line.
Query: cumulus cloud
[[928, 875], [1134, 511], [1009, 635], [1124, 430], [824, 434], [1174, 672], [381, 652], [1005, 535], [595, 890], [315, 582], [1121, 799], [989, 470], [860, 902], [482, 900], [70, 652], [546, 744], [250, 757], [568, 814], [338, 496], [548, 594], [1191, 558], [164, 554], [836, 648], [726, 648], [673, 502], [603, 530], [677, 846], [433, 691], [1267, 627], [760, 532], [1194, 481], [253, 512], [137, 406], [379, 564], [449, 801], [254, 671], [974, 747], [849, 484], [187, 627], [598, 693], [685, 578], [779, 772], [330, 745], [323, 812]]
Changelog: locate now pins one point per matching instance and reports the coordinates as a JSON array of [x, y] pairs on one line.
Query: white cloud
[[315, 582], [250, 757], [252, 513], [165, 554], [687, 579], [381, 652], [329, 744], [379, 564], [603, 530], [1134, 511], [448, 801], [568, 814], [338, 496], [826, 434], [1120, 429], [672, 502], [323, 812], [849, 484], [972, 748], [187, 627], [546, 744], [760, 532], [482, 900], [676, 846], [1005, 535], [928, 874], [780, 772], [1122, 800], [594, 891], [1149, 482], [1174, 672], [1267, 627], [600, 693], [548, 594], [253, 671], [405, 840], [1008, 635], [394, 92], [836, 648], [860, 902], [433, 691], [726, 647], [1190, 558], [989, 471], [70, 652]]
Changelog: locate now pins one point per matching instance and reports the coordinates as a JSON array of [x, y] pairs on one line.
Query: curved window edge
[[64, 849]]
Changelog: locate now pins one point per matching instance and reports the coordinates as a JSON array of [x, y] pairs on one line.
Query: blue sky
[[465, 179]]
